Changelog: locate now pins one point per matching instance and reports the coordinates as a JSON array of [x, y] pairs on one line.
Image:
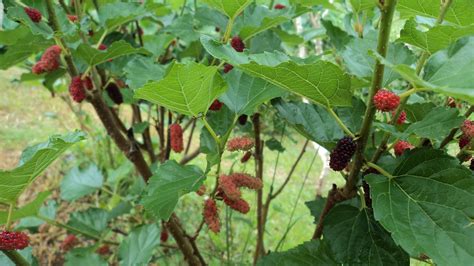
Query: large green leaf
[[312, 121], [78, 183], [30, 209], [92, 221], [436, 38], [141, 70], [170, 181], [230, 8], [246, 93], [359, 62], [93, 56], [362, 5], [448, 71], [187, 88], [115, 14], [84, 256], [355, 238], [41, 28], [459, 13], [322, 82], [427, 206], [33, 162], [315, 252], [139, 246], [25, 46]]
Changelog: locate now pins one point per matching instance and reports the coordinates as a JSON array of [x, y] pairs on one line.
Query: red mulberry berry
[[176, 138], [211, 215], [280, 6], [13, 240], [103, 250], [243, 119], [216, 105], [239, 205], [77, 90], [342, 154], [244, 180], [51, 58], [33, 13], [401, 118], [38, 68], [246, 157], [228, 68], [69, 242], [237, 44], [464, 141], [228, 186], [201, 191], [468, 128], [114, 93], [102, 47], [72, 18], [240, 143], [164, 235], [401, 146], [386, 101]]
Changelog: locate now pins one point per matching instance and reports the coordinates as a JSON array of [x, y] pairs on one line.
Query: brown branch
[[260, 248], [186, 159], [184, 243], [146, 134], [190, 138]]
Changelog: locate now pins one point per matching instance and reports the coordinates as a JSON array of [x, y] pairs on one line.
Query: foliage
[[309, 70]]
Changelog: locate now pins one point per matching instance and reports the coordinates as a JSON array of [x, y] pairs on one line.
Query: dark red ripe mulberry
[[386, 101], [464, 141], [342, 154], [33, 13], [228, 68], [237, 44], [102, 47], [471, 166], [176, 138], [216, 105], [114, 93], [164, 235], [243, 119], [49, 62], [13, 240], [280, 6], [246, 157]]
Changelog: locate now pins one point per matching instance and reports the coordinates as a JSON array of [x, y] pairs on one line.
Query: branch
[[15, 257], [387, 10], [186, 159], [260, 248]]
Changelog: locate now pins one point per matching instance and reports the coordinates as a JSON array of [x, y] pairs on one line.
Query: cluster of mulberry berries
[[50, 60], [13, 240], [342, 154], [240, 143], [237, 44], [176, 138], [386, 101], [401, 146], [211, 215], [34, 14], [229, 190], [78, 86], [216, 105]]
